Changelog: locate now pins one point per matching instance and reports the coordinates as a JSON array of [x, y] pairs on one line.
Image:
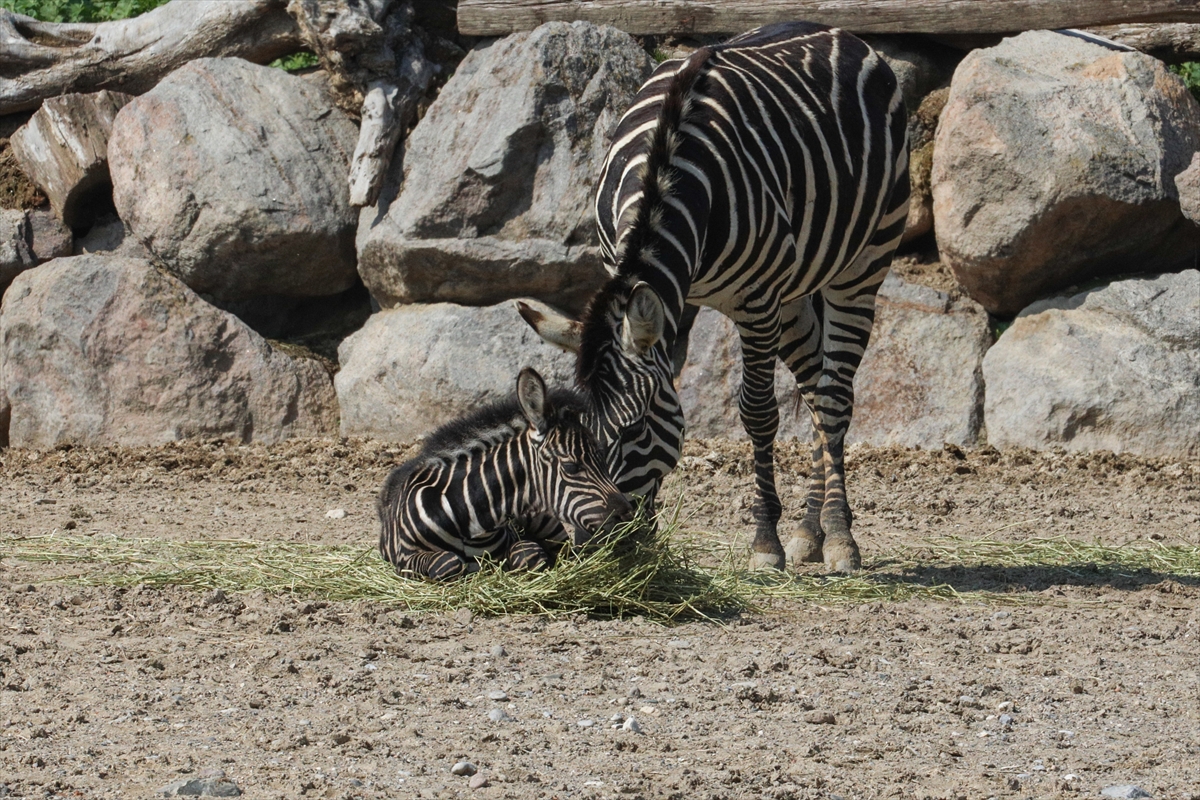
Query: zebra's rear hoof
[[766, 561], [803, 549], [841, 555]]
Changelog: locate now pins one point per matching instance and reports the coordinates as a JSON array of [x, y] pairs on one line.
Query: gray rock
[[1187, 184], [1112, 368], [499, 715], [463, 768], [1054, 164], [234, 175], [413, 368], [1124, 792], [64, 150], [492, 196], [105, 350], [906, 392], [631, 725], [210, 783], [16, 256], [478, 781], [498, 695], [50, 238]]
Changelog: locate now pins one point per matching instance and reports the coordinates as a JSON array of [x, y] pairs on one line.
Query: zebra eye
[[571, 467]]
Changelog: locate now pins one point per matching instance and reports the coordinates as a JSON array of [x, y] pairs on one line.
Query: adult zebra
[[766, 177]]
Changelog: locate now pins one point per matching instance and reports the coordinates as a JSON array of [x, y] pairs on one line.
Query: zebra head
[[567, 474], [624, 367]]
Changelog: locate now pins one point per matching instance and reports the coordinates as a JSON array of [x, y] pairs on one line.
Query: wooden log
[[64, 150], [501, 17], [1173, 43], [43, 59]]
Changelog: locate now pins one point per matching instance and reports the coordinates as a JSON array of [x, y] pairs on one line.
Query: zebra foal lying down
[[527, 457]]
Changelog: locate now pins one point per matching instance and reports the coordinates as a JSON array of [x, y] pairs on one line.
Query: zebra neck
[[506, 487]]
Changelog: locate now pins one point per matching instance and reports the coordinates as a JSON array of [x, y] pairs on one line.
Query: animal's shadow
[[1031, 578]]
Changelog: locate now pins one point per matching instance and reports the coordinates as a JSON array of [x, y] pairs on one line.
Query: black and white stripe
[[530, 457], [767, 178]]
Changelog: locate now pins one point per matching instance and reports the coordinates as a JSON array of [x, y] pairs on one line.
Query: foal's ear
[[531, 394], [556, 329], [644, 320]]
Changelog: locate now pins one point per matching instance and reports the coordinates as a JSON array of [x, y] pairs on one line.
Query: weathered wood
[[64, 149], [377, 67], [43, 59], [500, 17], [1173, 43]]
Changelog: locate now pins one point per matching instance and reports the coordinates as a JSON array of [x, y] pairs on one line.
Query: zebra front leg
[[760, 416], [526, 555], [801, 350], [439, 565]]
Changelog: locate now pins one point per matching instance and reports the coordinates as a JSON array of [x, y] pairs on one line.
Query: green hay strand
[[672, 576]]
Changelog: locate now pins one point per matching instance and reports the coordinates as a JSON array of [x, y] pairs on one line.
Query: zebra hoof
[[802, 550], [841, 555], [446, 566], [766, 561]]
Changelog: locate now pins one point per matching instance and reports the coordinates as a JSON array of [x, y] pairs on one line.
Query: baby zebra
[[527, 456]]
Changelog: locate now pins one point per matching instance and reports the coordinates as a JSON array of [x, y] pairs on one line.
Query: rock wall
[[1040, 165]]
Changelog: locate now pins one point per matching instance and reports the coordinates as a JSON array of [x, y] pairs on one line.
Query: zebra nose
[[619, 508]]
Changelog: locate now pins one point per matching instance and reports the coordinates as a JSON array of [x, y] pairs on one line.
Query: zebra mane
[[494, 423], [656, 172]]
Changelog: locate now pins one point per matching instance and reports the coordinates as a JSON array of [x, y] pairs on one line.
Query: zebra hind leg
[[801, 351]]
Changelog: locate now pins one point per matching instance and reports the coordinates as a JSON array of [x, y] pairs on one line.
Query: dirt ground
[[1094, 682]]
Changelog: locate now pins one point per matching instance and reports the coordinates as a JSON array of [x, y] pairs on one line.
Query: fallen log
[[501, 17], [45, 59], [1173, 43]]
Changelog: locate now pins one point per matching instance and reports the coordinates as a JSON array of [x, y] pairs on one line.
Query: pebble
[[464, 768], [45, 501], [497, 694], [680, 644], [498, 715], [585, 723], [632, 726], [335, 513], [820, 718], [1006, 720], [464, 616], [499, 652], [478, 781], [1126, 792]]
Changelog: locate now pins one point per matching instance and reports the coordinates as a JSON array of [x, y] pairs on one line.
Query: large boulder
[[234, 176], [413, 368], [495, 184], [1054, 164], [907, 392], [100, 349], [1113, 368], [64, 149]]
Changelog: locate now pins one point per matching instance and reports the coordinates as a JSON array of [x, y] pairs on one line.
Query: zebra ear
[[553, 327], [644, 320], [531, 394]]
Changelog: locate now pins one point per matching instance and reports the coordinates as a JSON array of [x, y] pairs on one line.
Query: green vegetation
[[296, 61], [1190, 72], [80, 10], [668, 577]]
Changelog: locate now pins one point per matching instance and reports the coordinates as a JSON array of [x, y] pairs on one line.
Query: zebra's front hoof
[[841, 555], [766, 561], [527, 556], [446, 566], [803, 549]]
